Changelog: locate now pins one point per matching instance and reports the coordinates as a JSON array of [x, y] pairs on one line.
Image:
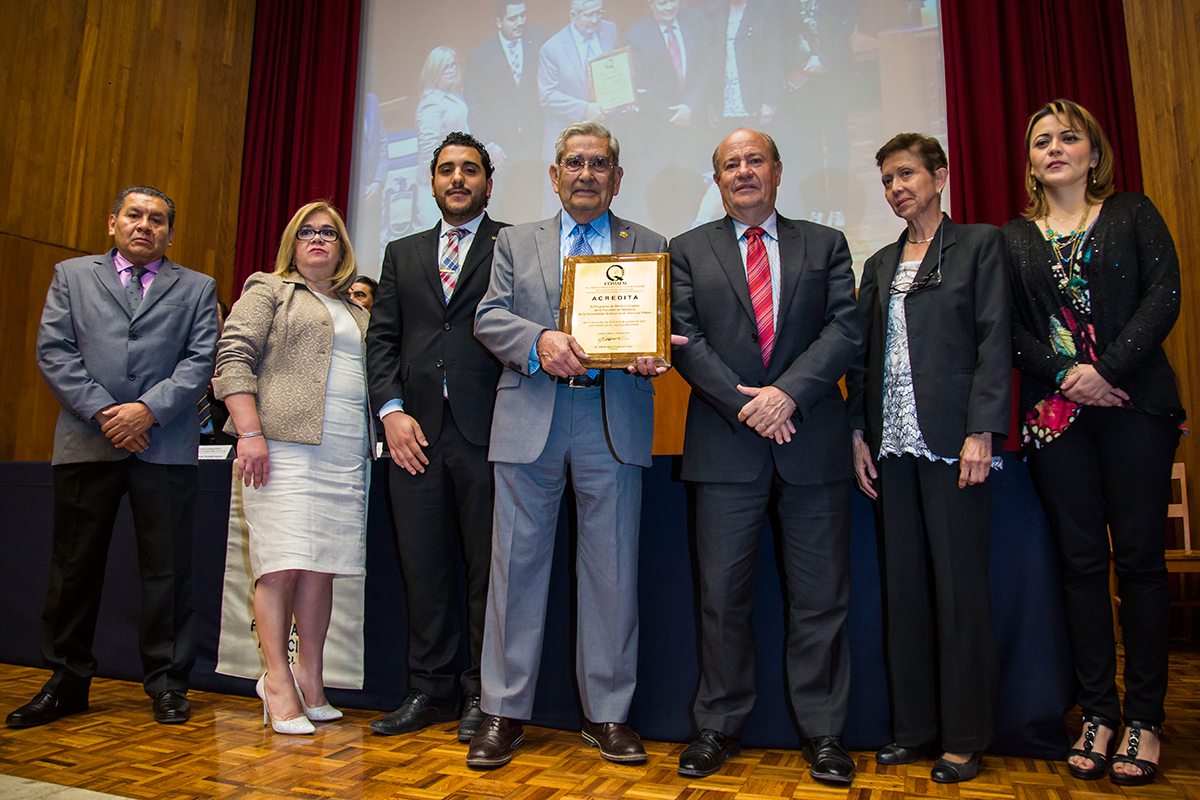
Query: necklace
[[921, 241], [1065, 265]]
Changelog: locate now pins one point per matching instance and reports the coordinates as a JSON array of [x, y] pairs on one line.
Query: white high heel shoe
[[291, 727], [325, 713]]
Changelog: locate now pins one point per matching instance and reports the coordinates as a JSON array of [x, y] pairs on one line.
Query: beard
[[471, 210]]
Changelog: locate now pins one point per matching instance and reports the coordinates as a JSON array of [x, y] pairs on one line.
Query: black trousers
[[814, 525], [1110, 471], [941, 651], [442, 516], [87, 495]]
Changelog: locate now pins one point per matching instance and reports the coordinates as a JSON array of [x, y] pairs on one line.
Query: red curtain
[[299, 121], [1007, 58]]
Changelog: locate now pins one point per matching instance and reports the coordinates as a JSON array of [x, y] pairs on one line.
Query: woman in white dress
[[440, 110], [290, 370]]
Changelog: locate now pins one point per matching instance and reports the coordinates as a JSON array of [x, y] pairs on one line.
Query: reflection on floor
[[224, 752]]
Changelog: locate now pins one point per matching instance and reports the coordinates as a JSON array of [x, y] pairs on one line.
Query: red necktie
[[676, 57], [758, 274]]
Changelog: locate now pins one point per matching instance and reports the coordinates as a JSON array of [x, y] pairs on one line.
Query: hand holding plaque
[[618, 307]]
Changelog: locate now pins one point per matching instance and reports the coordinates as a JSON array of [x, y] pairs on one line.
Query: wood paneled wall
[[98, 95], [1163, 52]]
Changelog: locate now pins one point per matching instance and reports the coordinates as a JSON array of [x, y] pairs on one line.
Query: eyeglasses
[[598, 164], [927, 282], [328, 234]]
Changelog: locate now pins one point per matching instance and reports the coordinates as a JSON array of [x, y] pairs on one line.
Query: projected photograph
[[829, 81]]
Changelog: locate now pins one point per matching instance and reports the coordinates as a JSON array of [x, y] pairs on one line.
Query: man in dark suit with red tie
[[767, 304], [433, 384]]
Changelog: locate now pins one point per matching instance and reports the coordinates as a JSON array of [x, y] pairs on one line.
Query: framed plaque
[[618, 307], [611, 79]]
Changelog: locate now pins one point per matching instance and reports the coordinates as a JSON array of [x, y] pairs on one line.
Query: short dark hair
[[926, 148], [370, 283], [462, 140], [502, 7], [119, 203]]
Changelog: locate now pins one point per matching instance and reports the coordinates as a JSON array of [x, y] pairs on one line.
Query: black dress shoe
[[417, 711], [472, 719], [172, 707], [829, 760], [493, 746], [895, 754], [951, 772], [617, 741], [707, 753], [46, 707]]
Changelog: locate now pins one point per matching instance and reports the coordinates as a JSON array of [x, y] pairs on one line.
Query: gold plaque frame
[[610, 78], [605, 307]]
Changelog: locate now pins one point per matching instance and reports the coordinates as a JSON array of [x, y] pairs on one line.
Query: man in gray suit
[[553, 413], [126, 344], [563, 87], [767, 304]]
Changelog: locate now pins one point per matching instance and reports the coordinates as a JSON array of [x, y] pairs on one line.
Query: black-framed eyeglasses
[[927, 282], [327, 234], [598, 164]]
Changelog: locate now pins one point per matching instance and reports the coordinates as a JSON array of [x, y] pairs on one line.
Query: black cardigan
[[1133, 280]]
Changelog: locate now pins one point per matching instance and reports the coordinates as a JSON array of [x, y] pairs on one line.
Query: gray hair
[[586, 129], [119, 203], [577, 5]]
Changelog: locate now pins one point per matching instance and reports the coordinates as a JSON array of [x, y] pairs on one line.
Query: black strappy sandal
[[1099, 759], [1149, 769]]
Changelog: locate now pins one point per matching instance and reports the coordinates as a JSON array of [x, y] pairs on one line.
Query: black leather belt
[[583, 381]]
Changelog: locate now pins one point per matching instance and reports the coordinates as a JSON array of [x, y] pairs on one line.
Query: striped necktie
[[449, 266], [758, 274]]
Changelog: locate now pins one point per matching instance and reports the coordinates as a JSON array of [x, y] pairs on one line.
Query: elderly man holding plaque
[[551, 415], [767, 304]]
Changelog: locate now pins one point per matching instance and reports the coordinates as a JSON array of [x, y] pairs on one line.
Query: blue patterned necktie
[[580, 247], [133, 289]]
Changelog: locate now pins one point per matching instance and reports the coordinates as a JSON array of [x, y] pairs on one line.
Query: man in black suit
[[501, 87], [433, 384], [767, 304], [672, 62]]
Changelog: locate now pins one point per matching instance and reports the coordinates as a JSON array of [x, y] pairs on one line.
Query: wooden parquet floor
[[224, 752]]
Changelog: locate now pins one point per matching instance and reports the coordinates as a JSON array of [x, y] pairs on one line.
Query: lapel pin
[[624, 234], [493, 238]]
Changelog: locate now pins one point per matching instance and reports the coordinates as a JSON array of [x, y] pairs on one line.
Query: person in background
[[213, 414], [440, 109], [290, 370], [1095, 291], [363, 290], [126, 346], [929, 403]]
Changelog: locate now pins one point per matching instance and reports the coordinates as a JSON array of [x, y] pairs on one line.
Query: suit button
[[439, 362], [133, 336], [754, 337], [132, 377], [446, 326]]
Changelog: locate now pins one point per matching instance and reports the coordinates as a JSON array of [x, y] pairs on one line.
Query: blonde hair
[[1100, 177], [435, 66], [285, 259]]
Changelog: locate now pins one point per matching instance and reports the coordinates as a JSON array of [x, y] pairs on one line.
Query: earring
[[1092, 175]]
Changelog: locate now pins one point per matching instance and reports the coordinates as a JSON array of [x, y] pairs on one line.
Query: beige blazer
[[277, 345]]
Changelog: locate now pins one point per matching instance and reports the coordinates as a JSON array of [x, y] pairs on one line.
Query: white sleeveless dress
[[312, 514]]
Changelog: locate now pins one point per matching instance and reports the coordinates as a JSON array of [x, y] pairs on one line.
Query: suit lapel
[[481, 247], [428, 258], [889, 262], [792, 247], [621, 244], [944, 237], [547, 239], [723, 240], [168, 274], [106, 273]]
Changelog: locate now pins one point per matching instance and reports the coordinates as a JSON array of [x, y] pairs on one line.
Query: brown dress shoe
[[616, 740], [492, 747]]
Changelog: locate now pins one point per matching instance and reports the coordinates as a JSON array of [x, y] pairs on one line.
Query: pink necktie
[[676, 57], [758, 274]]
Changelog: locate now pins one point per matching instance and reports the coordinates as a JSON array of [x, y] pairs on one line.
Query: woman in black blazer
[[929, 401], [1095, 282]]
